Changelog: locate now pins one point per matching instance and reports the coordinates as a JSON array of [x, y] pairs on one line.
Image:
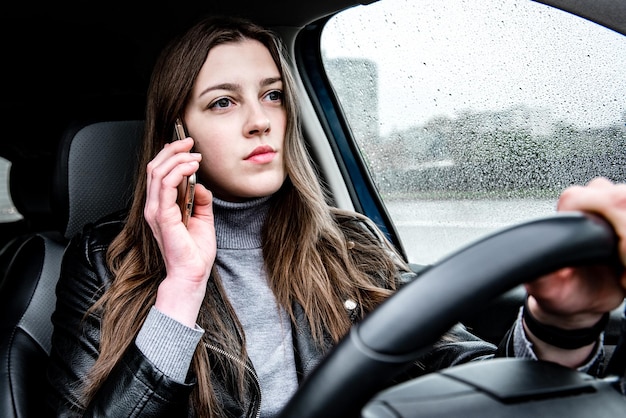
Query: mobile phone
[[186, 187]]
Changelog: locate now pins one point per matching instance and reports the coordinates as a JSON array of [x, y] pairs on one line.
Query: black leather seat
[[93, 176]]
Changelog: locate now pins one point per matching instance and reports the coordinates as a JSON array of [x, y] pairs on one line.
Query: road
[[432, 229]]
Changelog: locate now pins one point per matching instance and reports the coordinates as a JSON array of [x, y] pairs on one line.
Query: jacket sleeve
[[135, 387]]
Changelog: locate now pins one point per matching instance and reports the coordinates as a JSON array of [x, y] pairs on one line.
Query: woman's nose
[[258, 123]]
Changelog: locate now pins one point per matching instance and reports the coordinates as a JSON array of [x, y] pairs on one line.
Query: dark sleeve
[[457, 346], [135, 387]]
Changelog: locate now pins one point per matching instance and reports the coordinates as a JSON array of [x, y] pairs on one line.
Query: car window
[[472, 116], [8, 213]]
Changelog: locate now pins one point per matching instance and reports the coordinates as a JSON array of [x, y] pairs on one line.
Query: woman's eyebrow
[[270, 80], [237, 87], [222, 86]]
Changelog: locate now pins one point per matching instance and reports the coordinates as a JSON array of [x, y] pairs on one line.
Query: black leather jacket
[[136, 388]]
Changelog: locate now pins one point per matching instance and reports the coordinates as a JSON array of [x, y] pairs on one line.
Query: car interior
[[72, 111]]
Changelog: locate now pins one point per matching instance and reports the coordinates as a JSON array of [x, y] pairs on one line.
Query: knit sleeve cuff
[[168, 344], [523, 347]]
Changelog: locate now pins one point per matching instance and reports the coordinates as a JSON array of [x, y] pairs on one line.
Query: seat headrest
[[30, 193], [95, 171]]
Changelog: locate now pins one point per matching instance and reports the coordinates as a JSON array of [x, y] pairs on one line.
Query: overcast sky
[[464, 55]]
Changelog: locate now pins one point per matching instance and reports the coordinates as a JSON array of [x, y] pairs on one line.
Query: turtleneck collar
[[238, 225]]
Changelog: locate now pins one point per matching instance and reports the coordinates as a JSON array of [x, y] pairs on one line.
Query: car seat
[[93, 176]]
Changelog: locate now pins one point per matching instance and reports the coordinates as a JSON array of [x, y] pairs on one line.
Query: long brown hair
[[333, 256]]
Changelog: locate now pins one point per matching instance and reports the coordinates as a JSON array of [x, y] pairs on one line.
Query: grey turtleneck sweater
[[170, 345]]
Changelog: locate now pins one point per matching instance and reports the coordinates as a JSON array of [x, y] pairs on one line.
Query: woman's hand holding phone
[[188, 251]]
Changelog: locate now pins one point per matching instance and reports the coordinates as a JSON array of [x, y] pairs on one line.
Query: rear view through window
[[474, 115], [8, 213]]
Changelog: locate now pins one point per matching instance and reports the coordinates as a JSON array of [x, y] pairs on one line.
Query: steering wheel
[[402, 328]]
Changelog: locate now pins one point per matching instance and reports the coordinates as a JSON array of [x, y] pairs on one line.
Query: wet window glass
[[472, 116], [8, 213]]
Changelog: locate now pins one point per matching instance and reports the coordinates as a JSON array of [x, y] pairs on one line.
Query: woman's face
[[237, 119]]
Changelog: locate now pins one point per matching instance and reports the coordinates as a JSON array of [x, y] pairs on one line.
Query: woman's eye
[[275, 96], [221, 103]]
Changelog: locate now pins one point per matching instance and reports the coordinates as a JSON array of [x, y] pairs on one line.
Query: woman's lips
[[262, 154]]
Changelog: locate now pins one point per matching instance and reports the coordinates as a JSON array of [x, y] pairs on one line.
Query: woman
[[225, 317]]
